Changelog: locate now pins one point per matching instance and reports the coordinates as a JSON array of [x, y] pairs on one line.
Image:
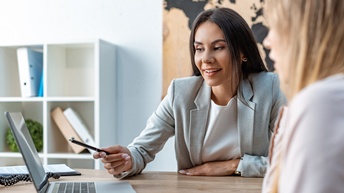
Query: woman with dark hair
[[222, 117]]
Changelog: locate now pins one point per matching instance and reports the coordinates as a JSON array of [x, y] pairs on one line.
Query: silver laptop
[[36, 170]]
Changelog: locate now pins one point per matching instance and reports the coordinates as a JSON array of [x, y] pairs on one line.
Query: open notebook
[[61, 169]]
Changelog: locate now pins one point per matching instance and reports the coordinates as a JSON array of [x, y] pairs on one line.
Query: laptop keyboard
[[74, 187]]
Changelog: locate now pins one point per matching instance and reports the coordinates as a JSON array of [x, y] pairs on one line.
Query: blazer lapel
[[198, 123], [246, 119]]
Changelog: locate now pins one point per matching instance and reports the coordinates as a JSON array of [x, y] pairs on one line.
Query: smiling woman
[[223, 39], [212, 59], [222, 117], [177, 23]]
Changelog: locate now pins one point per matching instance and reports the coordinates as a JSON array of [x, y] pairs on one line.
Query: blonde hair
[[313, 36]]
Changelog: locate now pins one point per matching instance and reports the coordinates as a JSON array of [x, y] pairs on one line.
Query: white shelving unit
[[77, 74]]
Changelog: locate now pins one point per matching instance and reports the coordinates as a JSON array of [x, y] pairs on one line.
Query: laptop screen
[[28, 150]]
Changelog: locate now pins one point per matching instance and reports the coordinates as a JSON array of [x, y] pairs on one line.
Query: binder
[[40, 89], [79, 126], [30, 66], [66, 129]]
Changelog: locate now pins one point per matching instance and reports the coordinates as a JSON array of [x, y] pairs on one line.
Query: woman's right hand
[[118, 161]]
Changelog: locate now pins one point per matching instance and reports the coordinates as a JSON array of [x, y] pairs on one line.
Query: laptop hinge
[[44, 184]]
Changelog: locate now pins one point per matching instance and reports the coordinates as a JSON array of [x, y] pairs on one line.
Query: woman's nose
[[266, 42], [208, 58]]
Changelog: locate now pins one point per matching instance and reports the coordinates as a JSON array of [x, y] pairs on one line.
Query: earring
[[244, 59]]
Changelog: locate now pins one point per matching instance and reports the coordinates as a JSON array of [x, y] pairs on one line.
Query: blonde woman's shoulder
[[322, 92]]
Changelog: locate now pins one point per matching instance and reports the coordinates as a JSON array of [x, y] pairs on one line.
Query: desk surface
[[156, 182]]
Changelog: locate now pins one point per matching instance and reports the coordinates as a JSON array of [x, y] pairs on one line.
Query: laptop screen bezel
[[28, 150]]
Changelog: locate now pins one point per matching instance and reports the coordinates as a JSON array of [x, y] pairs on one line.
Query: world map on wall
[[178, 17]]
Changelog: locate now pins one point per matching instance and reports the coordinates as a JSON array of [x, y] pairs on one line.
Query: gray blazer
[[184, 111]]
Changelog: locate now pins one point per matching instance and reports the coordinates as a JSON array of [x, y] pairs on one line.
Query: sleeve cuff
[[121, 175], [239, 168]]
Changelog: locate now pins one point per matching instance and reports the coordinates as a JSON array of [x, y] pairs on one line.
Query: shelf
[[21, 99], [40, 99], [71, 99], [14, 154], [78, 74], [70, 156]]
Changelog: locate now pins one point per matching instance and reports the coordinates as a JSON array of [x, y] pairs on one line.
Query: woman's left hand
[[218, 168]]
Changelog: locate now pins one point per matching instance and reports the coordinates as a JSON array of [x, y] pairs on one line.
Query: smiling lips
[[211, 72]]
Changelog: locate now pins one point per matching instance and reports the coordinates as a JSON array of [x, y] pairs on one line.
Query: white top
[[312, 151], [221, 139], [275, 151]]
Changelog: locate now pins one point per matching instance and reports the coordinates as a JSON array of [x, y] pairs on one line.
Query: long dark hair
[[239, 38]]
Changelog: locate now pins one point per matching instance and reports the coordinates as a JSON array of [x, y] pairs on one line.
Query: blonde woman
[[306, 39]]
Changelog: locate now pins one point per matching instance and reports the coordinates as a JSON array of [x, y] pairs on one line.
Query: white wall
[[135, 26]]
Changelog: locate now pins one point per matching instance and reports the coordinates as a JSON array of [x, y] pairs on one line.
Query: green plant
[[36, 132]]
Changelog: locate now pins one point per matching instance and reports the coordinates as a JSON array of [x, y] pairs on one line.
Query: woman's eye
[[218, 48], [199, 49]]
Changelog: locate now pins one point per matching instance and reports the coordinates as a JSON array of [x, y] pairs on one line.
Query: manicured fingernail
[[102, 154], [126, 157], [182, 171]]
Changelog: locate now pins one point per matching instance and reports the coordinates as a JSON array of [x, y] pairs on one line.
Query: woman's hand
[[118, 160], [219, 168]]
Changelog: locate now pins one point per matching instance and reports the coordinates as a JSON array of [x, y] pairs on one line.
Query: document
[[61, 169]]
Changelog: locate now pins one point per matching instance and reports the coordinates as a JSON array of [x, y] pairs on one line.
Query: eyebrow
[[213, 42]]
